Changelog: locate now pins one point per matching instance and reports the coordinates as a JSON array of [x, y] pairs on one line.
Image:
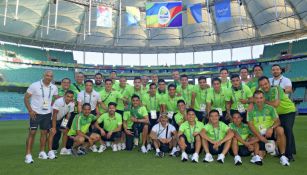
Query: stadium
[[142, 38]]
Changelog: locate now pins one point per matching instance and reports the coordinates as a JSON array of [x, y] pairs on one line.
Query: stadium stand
[[25, 52], [12, 102], [299, 47], [299, 94], [275, 50]]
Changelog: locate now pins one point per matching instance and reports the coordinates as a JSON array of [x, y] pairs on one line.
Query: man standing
[[238, 97], [217, 138], [108, 95], [171, 100], [110, 130], [276, 97], [176, 78], [163, 136], [99, 84], [136, 90], [162, 87], [145, 86], [65, 86], [89, 96], [224, 78], [113, 77], [180, 116], [189, 137], [38, 99], [253, 83], [78, 86], [216, 100], [265, 125], [62, 109], [244, 75], [199, 98], [154, 78], [279, 80], [185, 90]]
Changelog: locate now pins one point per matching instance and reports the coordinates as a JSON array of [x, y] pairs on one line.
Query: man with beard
[[279, 80]]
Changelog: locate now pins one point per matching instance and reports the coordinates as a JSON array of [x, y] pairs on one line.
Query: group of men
[[239, 115]]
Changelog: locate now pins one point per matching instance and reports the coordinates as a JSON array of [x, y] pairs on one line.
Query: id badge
[[241, 108], [192, 145], [262, 130], [64, 123], [202, 107], [153, 114], [220, 111], [170, 114], [45, 105]]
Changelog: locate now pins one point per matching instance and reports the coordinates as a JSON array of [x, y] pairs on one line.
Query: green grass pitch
[[12, 149]]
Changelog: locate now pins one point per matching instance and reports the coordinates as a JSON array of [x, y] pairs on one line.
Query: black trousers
[[129, 141], [287, 122], [57, 136]]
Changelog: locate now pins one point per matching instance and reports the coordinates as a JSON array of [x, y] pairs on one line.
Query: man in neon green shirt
[[65, 85], [171, 100], [108, 95], [243, 142], [276, 97], [136, 90], [79, 131], [244, 75], [185, 89], [180, 117], [99, 85], [121, 89], [176, 78], [253, 83], [217, 138], [145, 86], [199, 98], [238, 97], [154, 78], [139, 117], [189, 137], [162, 87], [224, 78], [265, 125], [216, 100], [109, 127], [113, 76]]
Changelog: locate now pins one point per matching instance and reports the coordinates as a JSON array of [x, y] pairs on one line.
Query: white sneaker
[[119, 147], [208, 158], [29, 159], [148, 147], [136, 141], [114, 147], [284, 161], [143, 149], [42, 155], [94, 148], [184, 157], [195, 157], [102, 148], [174, 150], [55, 151], [63, 151], [220, 158], [256, 160], [51, 155], [123, 145], [237, 160], [108, 144]]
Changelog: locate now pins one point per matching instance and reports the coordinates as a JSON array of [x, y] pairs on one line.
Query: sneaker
[[148, 147], [114, 148], [55, 151], [63, 151], [208, 158], [51, 155], [256, 160], [143, 149], [220, 158], [119, 147], [74, 152], [184, 157], [173, 152], [237, 160], [284, 161], [94, 148], [102, 148], [29, 159], [136, 141], [108, 144], [123, 145], [68, 152], [81, 151], [42, 155], [195, 158], [160, 154]]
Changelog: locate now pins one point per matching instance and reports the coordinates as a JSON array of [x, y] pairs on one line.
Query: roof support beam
[[296, 13], [40, 24], [249, 15]]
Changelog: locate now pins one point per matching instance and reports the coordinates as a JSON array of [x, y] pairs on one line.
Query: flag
[[194, 14], [104, 16], [222, 10], [133, 16], [163, 14]]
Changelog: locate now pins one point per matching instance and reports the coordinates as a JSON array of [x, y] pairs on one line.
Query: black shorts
[[137, 129], [114, 136], [41, 120], [164, 147], [223, 118], [70, 140], [71, 119], [243, 151], [262, 144], [200, 115], [190, 149], [213, 151]]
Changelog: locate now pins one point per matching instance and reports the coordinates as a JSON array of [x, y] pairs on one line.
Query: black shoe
[[258, 163], [238, 163]]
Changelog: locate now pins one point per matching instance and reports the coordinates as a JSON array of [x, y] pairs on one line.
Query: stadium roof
[[252, 22]]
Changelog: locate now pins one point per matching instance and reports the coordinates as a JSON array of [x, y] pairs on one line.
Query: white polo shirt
[[161, 131], [92, 98], [281, 81], [63, 108], [40, 94]]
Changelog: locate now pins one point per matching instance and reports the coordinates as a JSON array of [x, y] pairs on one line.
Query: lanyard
[[161, 131], [155, 103], [90, 97], [171, 102], [214, 98], [185, 95], [107, 97], [234, 95], [278, 83], [261, 114], [191, 133], [43, 94], [206, 92], [216, 135]]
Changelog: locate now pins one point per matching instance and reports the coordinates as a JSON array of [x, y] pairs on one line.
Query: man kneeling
[[163, 136], [79, 136], [189, 138], [217, 138]]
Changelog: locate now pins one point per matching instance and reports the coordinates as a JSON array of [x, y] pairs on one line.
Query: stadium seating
[[299, 93], [274, 50], [27, 52], [63, 57], [299, 47], [12, 102]]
